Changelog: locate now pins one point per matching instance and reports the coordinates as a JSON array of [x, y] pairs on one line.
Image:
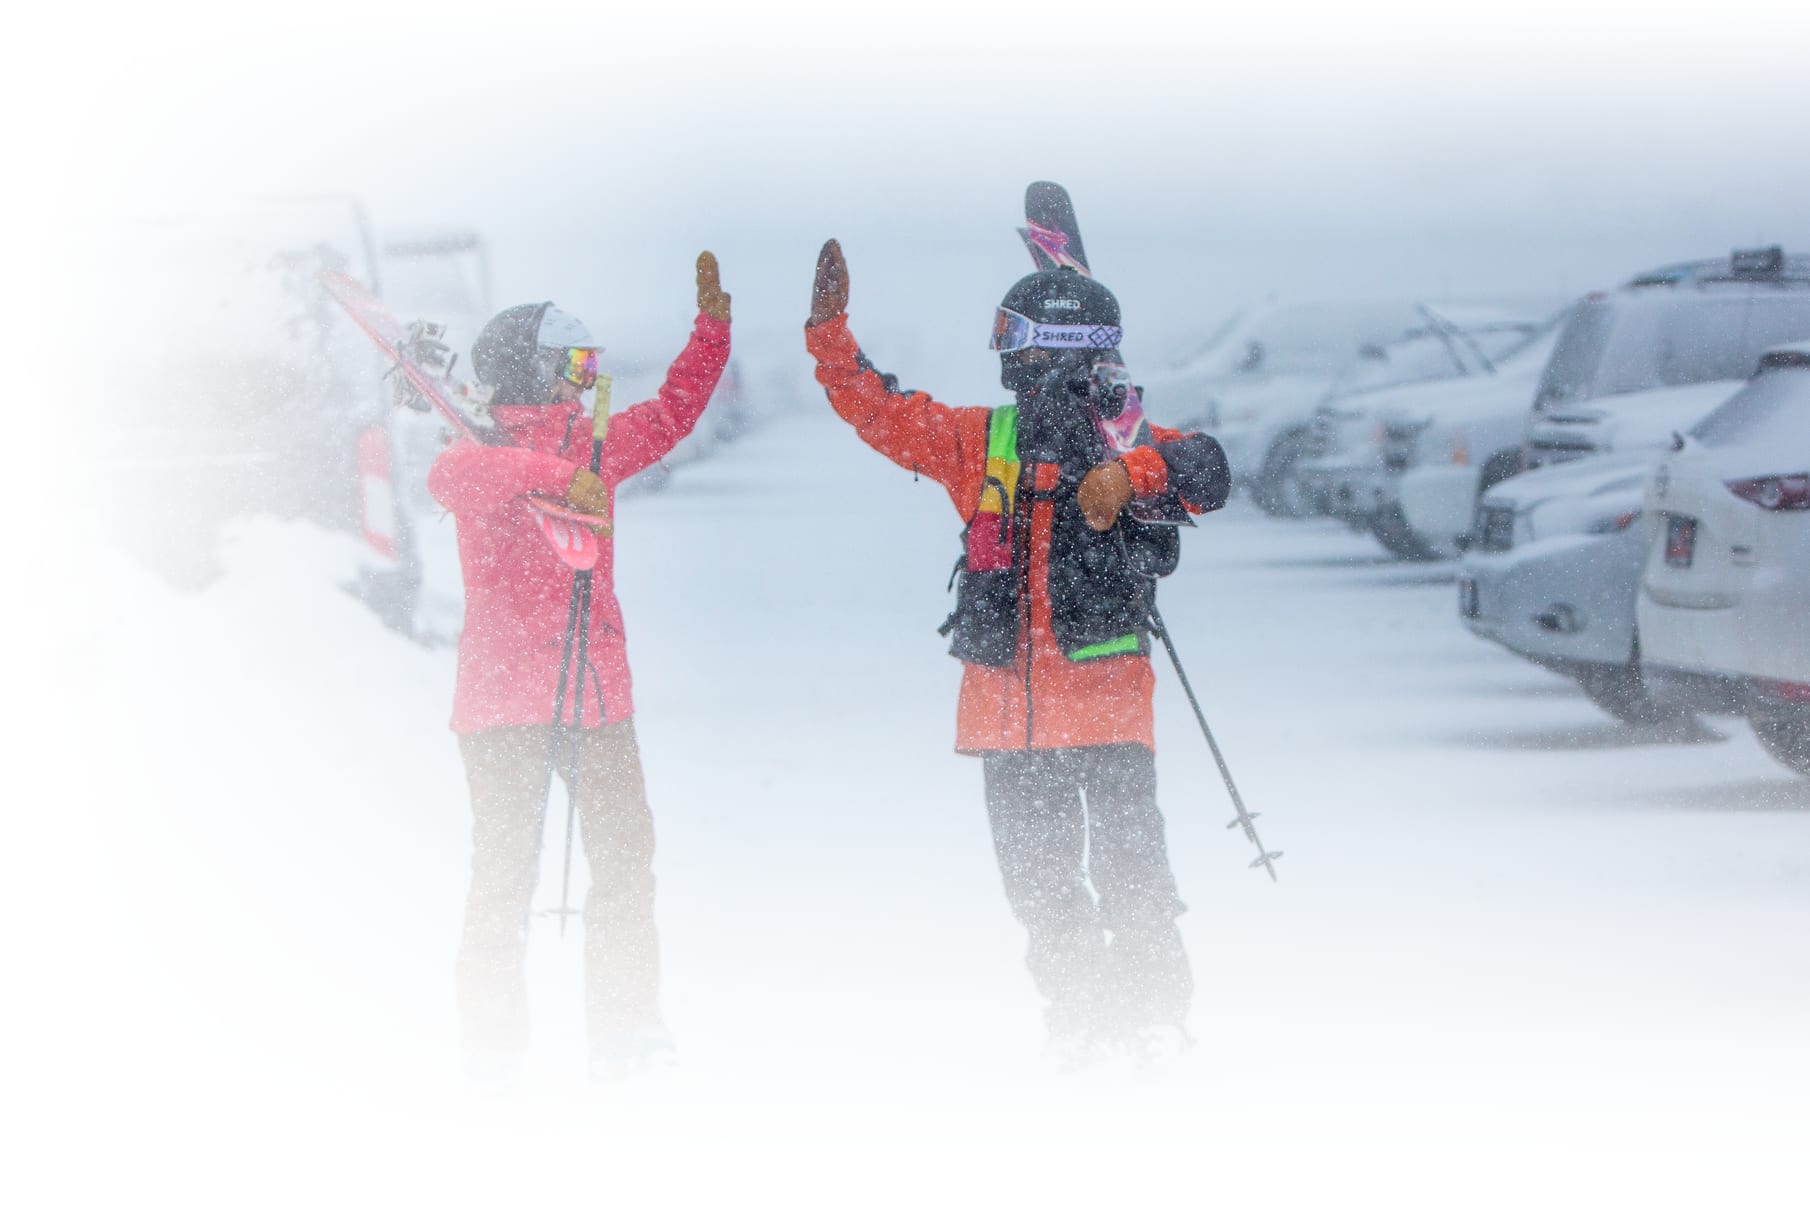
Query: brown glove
[[588, 494], [711, 298], [1103, 494], [829, 293]]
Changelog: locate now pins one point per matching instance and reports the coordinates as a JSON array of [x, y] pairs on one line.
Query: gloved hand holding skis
[[1103, 494], [588, 494]]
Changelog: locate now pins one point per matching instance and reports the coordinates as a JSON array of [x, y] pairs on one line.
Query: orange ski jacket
[[1044, 700]]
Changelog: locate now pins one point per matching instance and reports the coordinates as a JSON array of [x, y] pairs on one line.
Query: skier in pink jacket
[[519, 596]]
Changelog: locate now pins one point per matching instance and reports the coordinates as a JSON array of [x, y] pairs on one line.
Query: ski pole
[[581, 613], [573, 615], [1265, 859], [581, 588]]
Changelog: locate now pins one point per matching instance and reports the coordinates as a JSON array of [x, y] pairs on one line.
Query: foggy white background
[[1217, 153], [1216, 157]]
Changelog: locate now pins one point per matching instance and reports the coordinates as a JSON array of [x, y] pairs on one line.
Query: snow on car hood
[[1622, 421], [1573, 479], [1428, 401], [1236, 402]]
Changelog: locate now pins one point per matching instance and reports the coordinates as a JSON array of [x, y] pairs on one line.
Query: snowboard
[[1052, 235], [417, 355]]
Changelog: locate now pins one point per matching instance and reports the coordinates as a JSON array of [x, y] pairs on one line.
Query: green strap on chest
[[1002, 435]]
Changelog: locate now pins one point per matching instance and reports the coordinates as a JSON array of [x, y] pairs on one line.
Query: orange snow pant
[[507, 771]]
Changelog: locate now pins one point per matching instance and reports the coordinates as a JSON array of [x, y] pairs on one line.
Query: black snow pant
[[1111, 959]]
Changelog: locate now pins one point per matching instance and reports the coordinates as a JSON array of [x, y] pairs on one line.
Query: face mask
[[1055, 418]]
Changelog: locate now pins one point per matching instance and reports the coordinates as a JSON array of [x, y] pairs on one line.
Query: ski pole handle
[[600, 416]]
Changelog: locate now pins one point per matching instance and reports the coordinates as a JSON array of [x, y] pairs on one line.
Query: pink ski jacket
[[517, 591]]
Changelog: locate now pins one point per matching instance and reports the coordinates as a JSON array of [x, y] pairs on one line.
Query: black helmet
[[1070, 317], [1062, 297], [519, 352]]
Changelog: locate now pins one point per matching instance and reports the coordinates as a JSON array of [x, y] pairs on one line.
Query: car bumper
[[1567, 599], [1348, 492], [1760, 634], [1437, 502]]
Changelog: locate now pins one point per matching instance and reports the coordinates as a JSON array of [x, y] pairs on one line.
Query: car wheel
[[1277, 490], [1786, 738], [1623, 693], [1392, 531]]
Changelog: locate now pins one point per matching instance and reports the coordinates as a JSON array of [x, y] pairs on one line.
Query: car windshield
[[1652, 342], [1773, 409], [1302, 338], [1573, 364]]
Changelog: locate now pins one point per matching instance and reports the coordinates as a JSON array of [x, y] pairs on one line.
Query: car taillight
[[1461, 449], [1615, 523], [1680, 541], [1781, 492], [1797, 693]]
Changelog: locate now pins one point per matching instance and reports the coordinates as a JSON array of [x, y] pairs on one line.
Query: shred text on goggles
[[1013, 331], [580, 367]]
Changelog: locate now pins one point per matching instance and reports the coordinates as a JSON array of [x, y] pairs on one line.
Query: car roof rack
[[1744, 266]]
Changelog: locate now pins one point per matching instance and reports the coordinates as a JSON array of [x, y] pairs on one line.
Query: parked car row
[[1627, 483], [1670, 584], [1256, 383]]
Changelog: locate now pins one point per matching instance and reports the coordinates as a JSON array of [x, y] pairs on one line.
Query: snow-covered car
[[1552, 572], [1256, 380], [1352, 478], [1726, 593], [1665, 348], [1651, 360]]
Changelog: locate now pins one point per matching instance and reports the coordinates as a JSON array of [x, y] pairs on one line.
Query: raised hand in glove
[[711, 298], [588, 494], [1103, 494], [829, 292]]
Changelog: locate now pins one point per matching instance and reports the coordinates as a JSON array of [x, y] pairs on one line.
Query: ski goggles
[[1013, 331], [580, 367]]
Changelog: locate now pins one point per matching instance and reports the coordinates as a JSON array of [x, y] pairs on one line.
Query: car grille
[[1323, 436], [1399, 444], [1494, 531], [1552, 452], [1334, 431]]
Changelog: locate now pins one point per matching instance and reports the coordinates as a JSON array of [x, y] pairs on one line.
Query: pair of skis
[[420, 361], [1052, 235]]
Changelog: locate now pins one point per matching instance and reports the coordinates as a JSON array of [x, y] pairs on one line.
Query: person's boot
[[492, 1070], [647, 1048], [1068, 1051], [1158, 1043]]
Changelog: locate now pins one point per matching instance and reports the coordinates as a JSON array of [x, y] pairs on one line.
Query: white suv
[[1631, 366], [1726, 593]]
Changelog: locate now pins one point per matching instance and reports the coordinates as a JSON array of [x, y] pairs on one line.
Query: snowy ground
[[1518, 951]]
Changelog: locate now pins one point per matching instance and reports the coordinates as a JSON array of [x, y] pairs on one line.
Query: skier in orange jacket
[[1051, 624]]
